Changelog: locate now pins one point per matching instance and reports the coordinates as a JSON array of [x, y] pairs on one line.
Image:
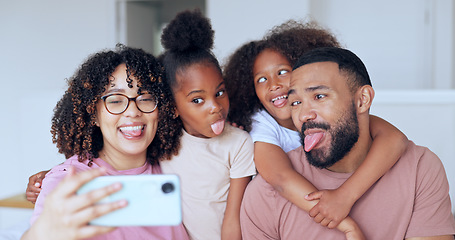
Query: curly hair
[[187, 40], [73, 124], [292, 39]]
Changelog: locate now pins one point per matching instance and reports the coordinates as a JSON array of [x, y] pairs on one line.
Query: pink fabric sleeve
[[432, 209], [50, 181]]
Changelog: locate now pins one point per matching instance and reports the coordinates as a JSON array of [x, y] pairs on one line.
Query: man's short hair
[[347, 61]]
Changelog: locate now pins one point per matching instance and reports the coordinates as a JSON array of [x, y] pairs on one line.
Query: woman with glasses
[[114, 119]]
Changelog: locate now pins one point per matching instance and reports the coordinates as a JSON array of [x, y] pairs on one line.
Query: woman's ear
[[176, 113], [365, 96], [96, 123]]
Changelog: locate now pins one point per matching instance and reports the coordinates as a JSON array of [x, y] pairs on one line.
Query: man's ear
[[365, 96]]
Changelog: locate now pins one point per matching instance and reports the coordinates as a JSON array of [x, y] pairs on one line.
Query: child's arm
[[275, 167], [388, 145], [231, 221], [34, 186]]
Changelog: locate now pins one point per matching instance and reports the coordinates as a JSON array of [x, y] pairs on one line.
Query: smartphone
[[153, 200]]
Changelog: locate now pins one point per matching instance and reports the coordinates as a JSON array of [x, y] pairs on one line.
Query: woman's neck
[[121, 161]]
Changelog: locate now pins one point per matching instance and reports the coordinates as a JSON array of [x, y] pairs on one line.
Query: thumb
[[314, 195]]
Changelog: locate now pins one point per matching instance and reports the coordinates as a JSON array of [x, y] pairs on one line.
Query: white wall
[[42, 43], [236, 21], [407, 46]]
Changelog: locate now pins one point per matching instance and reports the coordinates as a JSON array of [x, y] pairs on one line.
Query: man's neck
[[355, 157]]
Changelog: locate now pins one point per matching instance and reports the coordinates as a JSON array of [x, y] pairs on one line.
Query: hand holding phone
[[153, 200]]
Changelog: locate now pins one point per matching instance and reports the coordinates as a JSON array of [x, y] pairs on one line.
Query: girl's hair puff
[[188, 40], [292, 39], [73, 124]]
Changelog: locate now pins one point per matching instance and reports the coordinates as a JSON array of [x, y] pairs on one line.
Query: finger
[[31, 197], [84, 216], [333, 224], [325, 222], [318, 218], [73, 181], [38, 181], [314, 210], [90, 198], [33, 190], [314, 195], [32, 178], [41, 175]]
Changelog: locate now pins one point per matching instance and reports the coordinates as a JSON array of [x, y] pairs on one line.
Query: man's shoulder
[[419, 156], [258, 186], [296, 153], [297, 157]]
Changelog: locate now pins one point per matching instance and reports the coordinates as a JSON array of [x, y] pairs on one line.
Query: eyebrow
[[116, 90], [280, 66], [309, 89], [195, 91], [312, 89], [201, 91], [291, 91]]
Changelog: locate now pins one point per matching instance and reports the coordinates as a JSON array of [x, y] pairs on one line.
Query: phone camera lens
[[167, 187]]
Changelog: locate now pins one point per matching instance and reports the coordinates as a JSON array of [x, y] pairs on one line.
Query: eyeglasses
[[117, 103]]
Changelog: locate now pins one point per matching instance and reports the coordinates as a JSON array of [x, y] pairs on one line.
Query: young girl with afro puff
[[215, 161], [257, 78]]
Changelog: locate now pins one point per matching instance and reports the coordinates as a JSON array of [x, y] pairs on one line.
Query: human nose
[[215, 107], [275, 83], [132, 109], [306, 113]]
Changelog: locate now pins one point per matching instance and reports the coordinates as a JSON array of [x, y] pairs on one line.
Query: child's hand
[[332, 208], [235, 125], [34, 186]]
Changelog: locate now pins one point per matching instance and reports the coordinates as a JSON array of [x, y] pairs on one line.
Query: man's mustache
[[311, 124]]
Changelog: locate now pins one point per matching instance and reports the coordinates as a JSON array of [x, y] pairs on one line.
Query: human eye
[[146, 98], [261, 80], [320, 96], [220, 93], [197, 100], [115, 99], [283, 71], [295, 103]]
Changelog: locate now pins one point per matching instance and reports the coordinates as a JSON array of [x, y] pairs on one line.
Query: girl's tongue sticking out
[[218, 127]]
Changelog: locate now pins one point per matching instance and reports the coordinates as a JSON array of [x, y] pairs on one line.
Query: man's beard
[[344, 134]]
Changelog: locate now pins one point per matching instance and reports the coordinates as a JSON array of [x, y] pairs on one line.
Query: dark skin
[[34, 186]]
